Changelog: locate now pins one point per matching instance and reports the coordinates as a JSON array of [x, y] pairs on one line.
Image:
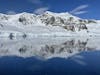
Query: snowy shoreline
[[32, 35]]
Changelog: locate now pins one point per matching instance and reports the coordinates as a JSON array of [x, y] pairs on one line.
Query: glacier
[[47, 24]]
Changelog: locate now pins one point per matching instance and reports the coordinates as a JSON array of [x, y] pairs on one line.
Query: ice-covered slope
[[47, 24]]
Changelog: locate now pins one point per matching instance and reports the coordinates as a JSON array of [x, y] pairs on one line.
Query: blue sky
[[85, 8]]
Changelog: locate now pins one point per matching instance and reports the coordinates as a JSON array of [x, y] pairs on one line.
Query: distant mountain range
[[47, 24]]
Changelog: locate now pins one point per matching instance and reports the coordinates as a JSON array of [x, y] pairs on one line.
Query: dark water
[[50, 56]]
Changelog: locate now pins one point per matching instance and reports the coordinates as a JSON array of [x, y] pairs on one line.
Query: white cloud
[[41, 10], [80, 12], [11, 12], [79, 9]]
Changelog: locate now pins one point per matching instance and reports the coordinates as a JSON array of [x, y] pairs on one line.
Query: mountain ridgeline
[[64, 20], [48, 23]]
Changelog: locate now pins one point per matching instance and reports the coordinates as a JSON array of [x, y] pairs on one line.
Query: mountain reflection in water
[[50, 56]]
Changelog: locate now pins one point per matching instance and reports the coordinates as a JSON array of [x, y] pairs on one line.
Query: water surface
[[50, 56]]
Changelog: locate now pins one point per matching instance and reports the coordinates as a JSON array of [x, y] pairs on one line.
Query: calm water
[[50, 56]]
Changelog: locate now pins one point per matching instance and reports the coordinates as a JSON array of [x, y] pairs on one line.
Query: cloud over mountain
[[41, 10]]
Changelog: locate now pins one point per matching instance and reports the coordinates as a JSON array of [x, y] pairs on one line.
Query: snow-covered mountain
[[47, 24]]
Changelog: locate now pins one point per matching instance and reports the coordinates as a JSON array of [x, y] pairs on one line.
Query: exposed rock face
[[47, 22], [70, 24], [26, 19]]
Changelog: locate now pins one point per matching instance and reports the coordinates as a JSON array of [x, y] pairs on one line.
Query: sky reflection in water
[[45, 56]]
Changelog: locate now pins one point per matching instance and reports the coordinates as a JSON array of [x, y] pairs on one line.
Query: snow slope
[[47, 24]]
